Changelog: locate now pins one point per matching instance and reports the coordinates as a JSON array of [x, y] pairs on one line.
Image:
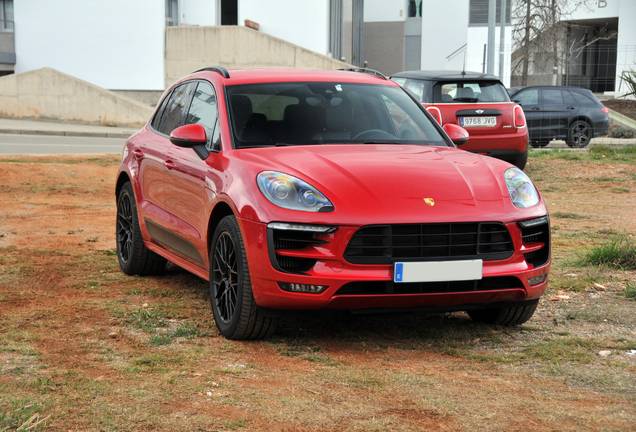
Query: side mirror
[[189, 136], [457, 134]]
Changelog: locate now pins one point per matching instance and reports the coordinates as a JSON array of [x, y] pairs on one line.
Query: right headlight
[[522, 192], [292, 193]]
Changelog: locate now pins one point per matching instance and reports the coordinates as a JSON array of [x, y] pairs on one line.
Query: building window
[[6, 16], [414, 8], [478, 12], [172, 13]]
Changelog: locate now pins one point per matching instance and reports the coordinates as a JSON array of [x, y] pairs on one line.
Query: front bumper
[[333, 271]]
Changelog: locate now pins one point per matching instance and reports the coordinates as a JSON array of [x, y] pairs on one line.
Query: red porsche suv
[[477, 102], [294, 189]]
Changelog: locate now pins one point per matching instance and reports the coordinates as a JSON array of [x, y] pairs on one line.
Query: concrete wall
[[48, 94], [301, 22], [190, 48], [111, 43]]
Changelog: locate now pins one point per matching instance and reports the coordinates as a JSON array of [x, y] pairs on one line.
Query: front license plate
[[437, 271], [478, 121]]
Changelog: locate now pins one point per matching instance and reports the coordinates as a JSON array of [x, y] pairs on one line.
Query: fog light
[[304, 288], [538, 279]]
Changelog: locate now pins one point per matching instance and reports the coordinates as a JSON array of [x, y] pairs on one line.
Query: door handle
[[138, 154], [571, 108], [169, 164], [536, 109]]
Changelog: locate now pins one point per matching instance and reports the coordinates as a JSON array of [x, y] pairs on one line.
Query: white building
[[119, 44]]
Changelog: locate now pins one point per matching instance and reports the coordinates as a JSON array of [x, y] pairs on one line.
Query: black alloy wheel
[[225, 277], [235, 311], [134, 258], [580, 134]]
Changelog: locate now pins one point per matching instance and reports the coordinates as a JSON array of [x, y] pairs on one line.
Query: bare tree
[[539, 27]]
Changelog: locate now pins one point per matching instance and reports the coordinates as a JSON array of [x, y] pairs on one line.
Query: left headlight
[[291, 193], [522, 192]]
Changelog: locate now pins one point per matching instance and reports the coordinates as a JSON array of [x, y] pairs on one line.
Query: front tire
[[233, 305], [506, 317], [134, 258], [580, 134]]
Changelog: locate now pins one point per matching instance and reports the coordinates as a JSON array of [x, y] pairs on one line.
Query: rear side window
[[173, 112], [417, 88], [552, 97], [583, 99], [466, 92]]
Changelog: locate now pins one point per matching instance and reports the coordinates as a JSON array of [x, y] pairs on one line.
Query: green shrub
[[622, 132], [617, 253]]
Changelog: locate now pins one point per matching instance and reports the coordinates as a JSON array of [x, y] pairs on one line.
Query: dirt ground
[[84, 347], [623, 106]]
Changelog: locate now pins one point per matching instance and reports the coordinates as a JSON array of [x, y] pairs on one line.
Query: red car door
[[188, 201]]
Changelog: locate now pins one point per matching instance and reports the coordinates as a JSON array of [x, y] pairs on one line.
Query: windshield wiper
[[382, 142]]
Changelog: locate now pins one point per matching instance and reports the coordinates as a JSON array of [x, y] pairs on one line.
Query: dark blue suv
[[572, 114]]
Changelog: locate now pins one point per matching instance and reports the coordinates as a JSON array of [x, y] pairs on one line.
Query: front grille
[[389, 287], [386, 244], [536, 233]]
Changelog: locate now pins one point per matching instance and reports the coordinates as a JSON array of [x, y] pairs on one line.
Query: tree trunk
[[526, 45]]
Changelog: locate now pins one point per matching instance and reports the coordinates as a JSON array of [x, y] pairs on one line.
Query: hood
[[370, 184]]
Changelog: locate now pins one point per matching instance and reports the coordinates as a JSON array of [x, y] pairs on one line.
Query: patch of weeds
[[604, 179], [161, 339], [557, 351], [132, 292], [233, 424], [110, 252], [620, 190], [20, 414], [565, 215], [630, 290], [146, 319], [618, 253]]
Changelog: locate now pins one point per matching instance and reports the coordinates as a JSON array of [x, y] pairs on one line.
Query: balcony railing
[[6, 26]]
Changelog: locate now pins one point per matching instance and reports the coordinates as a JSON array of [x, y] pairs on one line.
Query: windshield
[[466, 91], [273, 114]]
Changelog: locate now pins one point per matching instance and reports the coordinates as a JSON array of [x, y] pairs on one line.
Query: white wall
[[444, 30], [115, 44], [301, 22], [626, 56], [198, 12], [385, 10], [477, 37]]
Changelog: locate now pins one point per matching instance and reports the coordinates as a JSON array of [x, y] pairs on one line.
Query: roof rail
[[219, 69], [365, 70]]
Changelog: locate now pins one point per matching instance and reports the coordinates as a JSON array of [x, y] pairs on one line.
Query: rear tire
[[134, 258], [506, 317], [235, 311], [579, 134]]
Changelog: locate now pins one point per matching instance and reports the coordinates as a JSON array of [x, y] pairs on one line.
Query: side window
[[157, 120], [173, 112], [204, 110], [552, 97], [417, 88], [528, 97], [568, 98], [582, 99], [400, 81]]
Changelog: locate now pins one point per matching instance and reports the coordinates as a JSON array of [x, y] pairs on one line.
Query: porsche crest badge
[[429, 201]]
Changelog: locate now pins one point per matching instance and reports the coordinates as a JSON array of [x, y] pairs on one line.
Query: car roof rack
[[365, 70], [219, 69]]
